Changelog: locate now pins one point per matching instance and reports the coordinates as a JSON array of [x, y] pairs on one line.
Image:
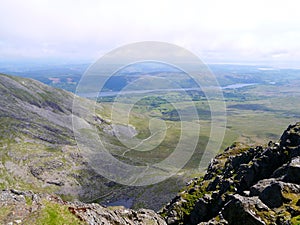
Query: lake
[[115, 93]]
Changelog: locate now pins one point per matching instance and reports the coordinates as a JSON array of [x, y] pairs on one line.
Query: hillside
[[30, 108], [39, 152]]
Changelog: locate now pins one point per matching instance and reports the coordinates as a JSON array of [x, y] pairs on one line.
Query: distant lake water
[[127, 203], [238, 85], [114, 93]]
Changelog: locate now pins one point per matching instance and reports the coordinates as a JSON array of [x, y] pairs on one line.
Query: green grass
[[28, 200], [295, 220], [67, 197], [255, 115], [55, 214], [4, 212]]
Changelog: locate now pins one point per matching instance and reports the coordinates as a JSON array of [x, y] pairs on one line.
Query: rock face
[[96, 214], [245, 185]]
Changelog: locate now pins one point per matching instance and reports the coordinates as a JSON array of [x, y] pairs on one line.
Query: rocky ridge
[[26, 207], [246, 186]]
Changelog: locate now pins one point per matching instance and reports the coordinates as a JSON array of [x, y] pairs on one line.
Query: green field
[[255, 115]]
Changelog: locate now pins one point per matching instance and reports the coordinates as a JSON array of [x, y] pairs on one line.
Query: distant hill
[[68, 76]]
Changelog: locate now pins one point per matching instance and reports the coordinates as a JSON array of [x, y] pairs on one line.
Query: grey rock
[[96, 214], [199, 212], [92, 214], [272, 196], [291, 136], [55, 182], [270, 192], [214, 222], [241, 210], [293, 171]]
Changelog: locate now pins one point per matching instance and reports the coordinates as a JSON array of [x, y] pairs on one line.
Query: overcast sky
[[217, 31]]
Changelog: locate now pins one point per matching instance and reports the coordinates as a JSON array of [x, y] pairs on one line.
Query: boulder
[[293, 171], [270, 191], [199, 212], [242, 210], [291, 136]]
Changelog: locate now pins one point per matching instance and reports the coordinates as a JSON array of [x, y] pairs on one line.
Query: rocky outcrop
[[242, 210], [244, 185], [26, 207], [96, 214]]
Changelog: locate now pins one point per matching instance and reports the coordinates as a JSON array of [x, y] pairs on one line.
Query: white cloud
[[215, 30]]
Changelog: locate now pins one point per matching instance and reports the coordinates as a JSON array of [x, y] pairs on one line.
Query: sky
[[218, 31]]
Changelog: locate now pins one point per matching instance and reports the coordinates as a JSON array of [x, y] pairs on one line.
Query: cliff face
[[245, 186]]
